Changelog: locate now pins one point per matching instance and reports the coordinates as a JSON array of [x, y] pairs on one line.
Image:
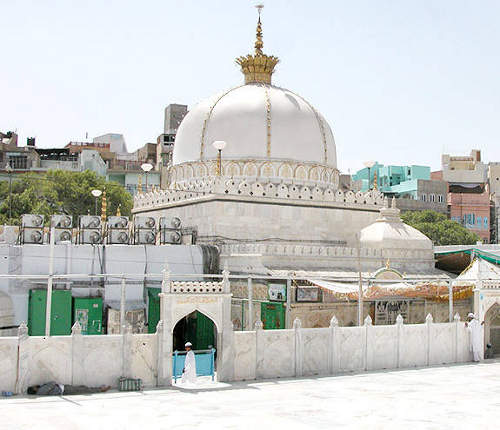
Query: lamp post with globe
[[146, 167], [96, 194], [9, 171], [370, 165], [219, 145]]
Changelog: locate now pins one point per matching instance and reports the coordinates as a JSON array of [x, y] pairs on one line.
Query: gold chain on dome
[[258, 67]]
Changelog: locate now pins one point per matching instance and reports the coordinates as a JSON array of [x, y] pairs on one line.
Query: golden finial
[[258, 67], [118, 212], [388, 264], [103, 207], [259, 43]]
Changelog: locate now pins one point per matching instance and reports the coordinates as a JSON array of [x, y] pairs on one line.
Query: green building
[[401, 181]]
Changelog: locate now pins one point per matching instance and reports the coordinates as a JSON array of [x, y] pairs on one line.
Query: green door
[[60, 322], [204, 336], [88, 312], [272, 315], [153, 309]]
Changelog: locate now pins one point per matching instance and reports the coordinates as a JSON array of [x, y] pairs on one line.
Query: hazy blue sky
[[399, 81]]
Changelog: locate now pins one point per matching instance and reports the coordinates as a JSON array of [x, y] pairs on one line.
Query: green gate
[[153, 309], [88, 312], [60, 318], [272, 315]]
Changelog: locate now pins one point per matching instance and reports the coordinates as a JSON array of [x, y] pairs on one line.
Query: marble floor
[[455, 397]]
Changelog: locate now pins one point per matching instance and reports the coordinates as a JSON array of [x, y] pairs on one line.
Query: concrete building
[[494, 184], [468, 192], [16, 160], [117, 145], [104, 150], [124, 167], [174, 114], [464, 169]]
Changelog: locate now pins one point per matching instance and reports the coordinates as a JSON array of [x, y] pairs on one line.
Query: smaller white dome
[[389, 232]]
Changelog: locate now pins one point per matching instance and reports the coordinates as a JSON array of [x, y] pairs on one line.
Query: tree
[[439, 229], [60, 192]]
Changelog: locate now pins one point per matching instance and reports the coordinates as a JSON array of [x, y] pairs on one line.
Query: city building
[[174, 114], [104, 150], [16, 159], [468, 192], [494, 184], [117, 145], [412, 186], [124, 167]]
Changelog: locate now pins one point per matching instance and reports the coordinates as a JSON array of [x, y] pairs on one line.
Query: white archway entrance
[[492, 328], [179, 301]]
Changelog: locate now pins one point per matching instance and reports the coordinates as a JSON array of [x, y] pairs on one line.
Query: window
[[18, 161], [440, 198], [485, 222], [479, 221], [423, 197], [432, 197]]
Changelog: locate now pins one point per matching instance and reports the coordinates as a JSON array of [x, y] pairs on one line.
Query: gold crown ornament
[[258, 67]]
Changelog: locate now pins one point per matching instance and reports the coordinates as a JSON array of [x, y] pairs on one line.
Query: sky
[[399, 81]]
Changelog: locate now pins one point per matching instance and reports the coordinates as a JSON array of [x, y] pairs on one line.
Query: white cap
[[188, 344], [471, 315]]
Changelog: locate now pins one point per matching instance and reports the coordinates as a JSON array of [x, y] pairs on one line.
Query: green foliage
[[440, 229], [60, 191]]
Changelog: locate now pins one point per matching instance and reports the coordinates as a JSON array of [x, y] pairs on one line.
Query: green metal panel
[[153, 309], [272, 315], [60, 323], [88, 312]]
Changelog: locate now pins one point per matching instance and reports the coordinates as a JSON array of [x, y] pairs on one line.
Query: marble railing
[[240, 187], [179, 287], [490, 284], [301, 351]]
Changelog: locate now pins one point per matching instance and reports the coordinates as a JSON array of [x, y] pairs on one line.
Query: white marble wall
[[8, 363], [275, 354], [97, 360], [321, 351]]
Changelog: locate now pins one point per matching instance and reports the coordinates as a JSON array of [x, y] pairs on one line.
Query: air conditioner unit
[[90, 221], [33, 235], [116, 236], [63, 235], [171, 223], [89, 236], [32, 221], [145, 237], [144, 222], [61, 221], [120, 222], [170, 236]]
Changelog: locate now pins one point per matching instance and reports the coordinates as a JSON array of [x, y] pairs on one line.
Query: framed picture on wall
[[277, 292], [307, 294]]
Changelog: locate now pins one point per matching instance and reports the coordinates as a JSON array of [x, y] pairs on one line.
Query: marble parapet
[[267, 191]]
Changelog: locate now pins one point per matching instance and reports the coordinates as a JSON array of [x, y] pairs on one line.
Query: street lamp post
[[96, 194], [9, 170], [370, 165], [219, 145], [146, 167]]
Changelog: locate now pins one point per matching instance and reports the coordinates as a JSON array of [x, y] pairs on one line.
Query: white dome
[[389, 232], [244, 116]]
